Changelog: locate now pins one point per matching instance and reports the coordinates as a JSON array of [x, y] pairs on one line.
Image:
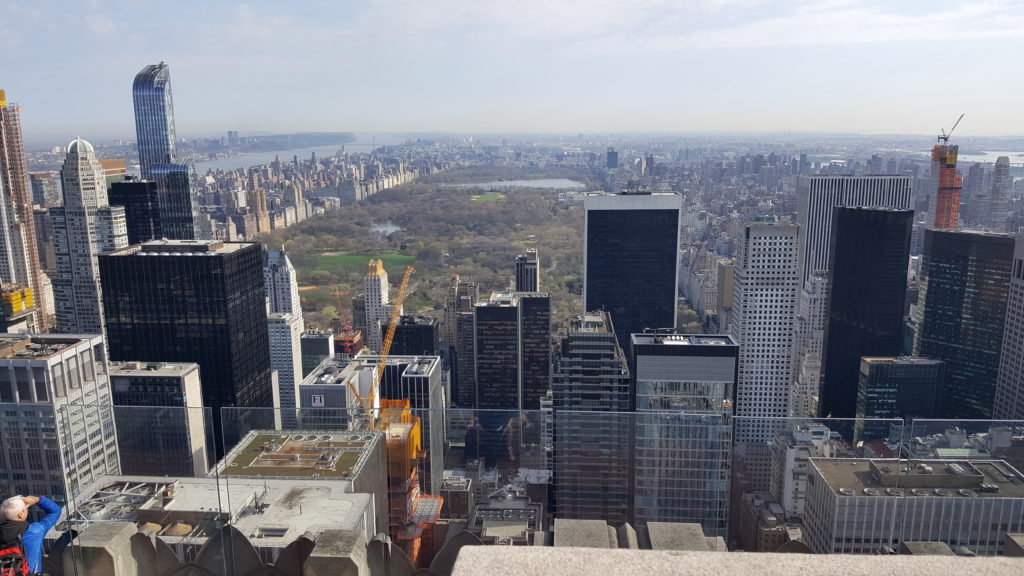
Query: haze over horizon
[[462, 66]]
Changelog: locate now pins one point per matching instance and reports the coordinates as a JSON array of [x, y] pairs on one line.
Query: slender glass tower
[[175, 180], [154, 117]]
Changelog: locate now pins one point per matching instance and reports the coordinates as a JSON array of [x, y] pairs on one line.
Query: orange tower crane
[[366, 402]]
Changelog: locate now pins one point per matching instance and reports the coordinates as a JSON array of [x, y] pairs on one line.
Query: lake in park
[[547, 183]]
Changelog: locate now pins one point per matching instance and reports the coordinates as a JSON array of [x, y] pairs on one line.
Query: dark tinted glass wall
[[535, 348], [631, 268], [497, 365], [141, 209], [867, 287], [965, 283], [201, 308]]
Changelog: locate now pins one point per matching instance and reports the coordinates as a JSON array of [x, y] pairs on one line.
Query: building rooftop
[[864, 477], [339, 371], [271, 512], [899, 360], [167, 247], [315, 455], [684, 339], [416, 320], [174, 369], [37, 347], [590, 322]]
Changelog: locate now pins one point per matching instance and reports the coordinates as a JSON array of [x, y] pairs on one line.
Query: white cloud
[[99, 24]]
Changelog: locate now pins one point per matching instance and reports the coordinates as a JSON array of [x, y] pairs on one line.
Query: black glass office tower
[[592, 400], [630, 257], [868, 259], [513, 350], [961, 313], [496, 347], [189, 301], [141, 209], [154, 126], [415, 336], [903, 387]]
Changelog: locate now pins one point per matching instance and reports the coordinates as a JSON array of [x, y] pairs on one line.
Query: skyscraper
[[864, 318], [83, 227], [154, 127], [948, 181], [58, 422], [528, 271], [810, 335], [376, 291], [684, 387], [282, 285], [612, 159], [1009, 402], [960, 313], [285, 333], [193, 301], [415, 336], [904, 387], [763, 321], [468, 293], [996, 206], [141, 209], [513, 350], [817, 197], [593, 425], [162, 428], [19, 259], [630, 258]]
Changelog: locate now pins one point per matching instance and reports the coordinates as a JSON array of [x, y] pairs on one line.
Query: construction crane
[[366, 403], [943, 137]]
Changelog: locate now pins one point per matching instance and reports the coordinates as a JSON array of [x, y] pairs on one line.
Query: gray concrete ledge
[[532, 561]]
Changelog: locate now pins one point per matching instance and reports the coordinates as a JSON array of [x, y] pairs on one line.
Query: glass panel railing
[[288, 474], [798, 482], [509, 477], [132, 469], [964, 485]]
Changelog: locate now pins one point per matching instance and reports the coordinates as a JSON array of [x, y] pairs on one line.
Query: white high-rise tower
[[765, 291], [377, 292], [83, 228], [282, 285]]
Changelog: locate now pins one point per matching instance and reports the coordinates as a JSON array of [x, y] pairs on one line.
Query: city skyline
[[700, 66]]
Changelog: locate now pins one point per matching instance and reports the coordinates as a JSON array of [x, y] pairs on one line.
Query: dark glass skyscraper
[[513, 350], [593, 426], [630, 257], [867, 287], [154, 127], [415, 336], [154, 117], [141, 209], [961, 313], [904, 387], [202, 302]]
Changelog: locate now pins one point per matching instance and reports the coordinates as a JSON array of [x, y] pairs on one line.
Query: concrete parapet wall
[[530, 561]]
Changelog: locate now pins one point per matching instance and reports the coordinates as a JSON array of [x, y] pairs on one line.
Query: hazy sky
[[596, 66]]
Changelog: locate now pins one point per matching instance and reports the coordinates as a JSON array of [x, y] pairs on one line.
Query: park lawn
[[394, 264], [489, 197]]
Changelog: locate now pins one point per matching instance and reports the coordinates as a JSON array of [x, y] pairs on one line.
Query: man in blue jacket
[[14, 514]]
